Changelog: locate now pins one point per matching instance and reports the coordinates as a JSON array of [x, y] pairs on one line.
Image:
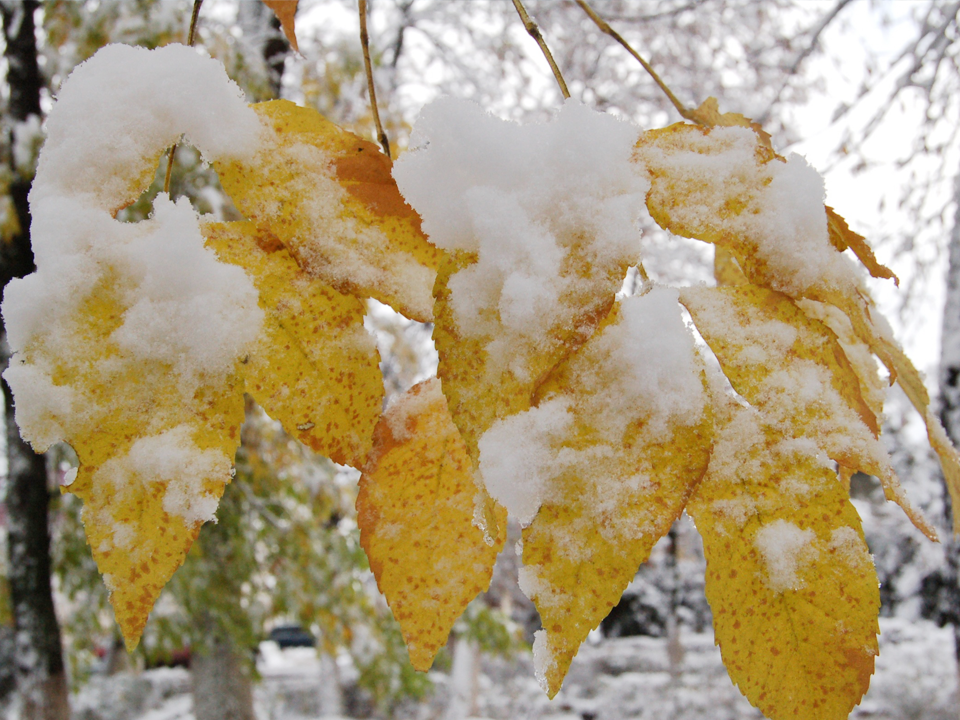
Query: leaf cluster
[[595, 420]]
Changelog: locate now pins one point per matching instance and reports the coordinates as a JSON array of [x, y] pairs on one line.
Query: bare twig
[[365, 44], [191, 38], [934, 36], [404, 25], [605, 28], [192, 35], [533, 31], [803, 55], [659, 15]]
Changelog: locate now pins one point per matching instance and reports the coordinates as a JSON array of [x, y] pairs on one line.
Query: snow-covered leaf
[[600, 468], [793, 368], [723, 185], [129, 336], [328, 196], [540, 224], [790, 580], [709, 115]]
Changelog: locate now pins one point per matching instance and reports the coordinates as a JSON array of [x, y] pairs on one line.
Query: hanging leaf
[[709, 115], [790, 581], [154, 458], [792, 367], [843, 238], [727, 187], [873, 386], [328, 196], [858, 311], [415, 510], [540, 222], [286, 12], [481, 386], [315, 368], [600, 468]]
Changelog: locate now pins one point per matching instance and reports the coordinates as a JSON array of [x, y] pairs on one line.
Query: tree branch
[[365, 44], [533, 31], [605, 28], [191, 38], [803, 55]]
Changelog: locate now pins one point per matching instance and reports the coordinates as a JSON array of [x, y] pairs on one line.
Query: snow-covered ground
[[638, 677]]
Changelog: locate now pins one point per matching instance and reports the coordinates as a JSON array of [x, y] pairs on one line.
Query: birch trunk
[[39, 670], [949, 382], [222, 689]]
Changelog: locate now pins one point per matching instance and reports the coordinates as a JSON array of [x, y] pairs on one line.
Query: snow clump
[[111, 300], [775, 208], [642, 368], [550, 212]]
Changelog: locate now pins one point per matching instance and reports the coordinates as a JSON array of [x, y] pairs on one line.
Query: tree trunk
[[331, 696], [262, 30], [222, 689], [464, 680], [41, 680], [949, 381]]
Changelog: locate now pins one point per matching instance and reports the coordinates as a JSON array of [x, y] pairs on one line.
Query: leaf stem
[[533, 31], [191, 38], [605, 28], [192, 35], [365, 44]]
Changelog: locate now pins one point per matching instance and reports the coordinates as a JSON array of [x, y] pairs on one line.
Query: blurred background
[[275, 614]]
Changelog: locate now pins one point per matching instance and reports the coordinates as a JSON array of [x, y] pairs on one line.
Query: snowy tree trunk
[[222, 689], [261, 29], [331, 696], [464, 677], [950, 411], [41, 680], [674, 645]]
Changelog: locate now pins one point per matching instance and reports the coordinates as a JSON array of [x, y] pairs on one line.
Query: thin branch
[[365, 44], [169, 175], [192, 35], [405, 23], [905, 79], [659, 15], [533, 31], [605, 28], [191, 38], [803, 55]]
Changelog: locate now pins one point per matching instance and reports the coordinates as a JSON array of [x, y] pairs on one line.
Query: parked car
[[292, 636]]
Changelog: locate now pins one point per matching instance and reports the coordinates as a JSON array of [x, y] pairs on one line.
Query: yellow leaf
[[475, 399], [497, 374], [873, 386], [286, 12], [760, 334], [792, 367], [726, 269], [843, 237], [709, 115], [790, 580], [329, 197], [315, 368], [129, 336], [616, 475], [415, 510], [154, 456], [725, 186], [902, 370]]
